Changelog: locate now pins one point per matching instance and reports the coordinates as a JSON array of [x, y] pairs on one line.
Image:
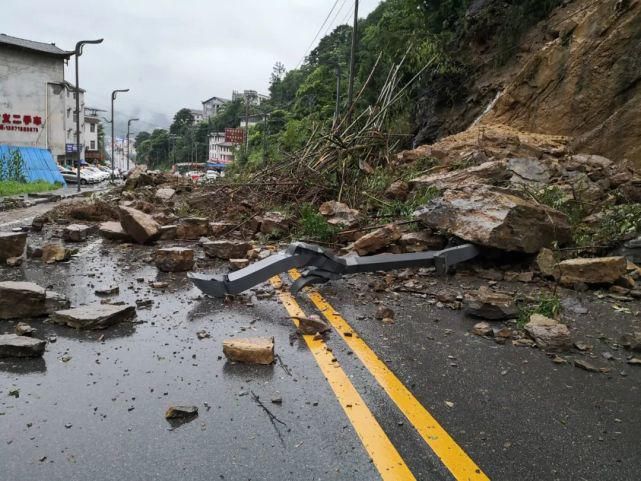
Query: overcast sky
[[174, 54]]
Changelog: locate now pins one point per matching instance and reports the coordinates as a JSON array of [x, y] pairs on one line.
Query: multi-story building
[[221, 151], [253, 97], [197, 114], [212, 106], [91, 128], [37, 106]]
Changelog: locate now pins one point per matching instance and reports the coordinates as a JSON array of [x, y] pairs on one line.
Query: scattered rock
[[488, 304], [142, 227], [181, 412], [634, 361], [25, 300], [339, 214], [15, 261], [496, 218], [519, 276], [376, 240], [168, 232], [165, 193], [586, 366], [312, 325], [274, 223], [12, 345], [238, 263], [192, 228], [482, 329], [76, 232], [398, 190], [107, 291], [547, 263], [174, 259], [54, 252], [113, 231], [549, 334], [485, 173], [250, 350], [226, 249], [421, 241], [12, 244], [631, 342], [202, 334], [598, 270], [24, 329], [384, 312], [94, 316], [221, 228]]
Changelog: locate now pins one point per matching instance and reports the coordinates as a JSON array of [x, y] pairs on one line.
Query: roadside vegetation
[[12, 187], [13, 180]]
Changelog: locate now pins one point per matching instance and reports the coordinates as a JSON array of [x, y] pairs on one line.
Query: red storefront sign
[[20, 122], [235, 136]]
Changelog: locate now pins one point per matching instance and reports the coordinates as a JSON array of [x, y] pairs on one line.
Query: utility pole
[[113, 122], [246, 123], [352, 64], [128, 128], [338, 93]]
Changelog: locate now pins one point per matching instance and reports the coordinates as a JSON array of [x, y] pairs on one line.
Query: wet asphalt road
[[93, 407]]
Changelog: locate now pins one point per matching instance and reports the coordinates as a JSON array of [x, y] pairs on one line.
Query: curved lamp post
[[78, 53]]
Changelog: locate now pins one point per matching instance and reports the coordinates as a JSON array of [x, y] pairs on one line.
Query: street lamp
[[78, 53], [128, 126], [113, 122]]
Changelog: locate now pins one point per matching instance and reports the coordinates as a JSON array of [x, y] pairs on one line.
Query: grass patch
[[616, 224], [314, 226], [548, 305], [405, 209], [12, 187]]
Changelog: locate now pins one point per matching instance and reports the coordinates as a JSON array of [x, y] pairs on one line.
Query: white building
[[92, 123], [197, 114], [212, 106], [37, 105], [221, 152], [251, 96]]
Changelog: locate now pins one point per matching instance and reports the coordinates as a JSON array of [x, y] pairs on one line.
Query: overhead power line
[[317, 34]]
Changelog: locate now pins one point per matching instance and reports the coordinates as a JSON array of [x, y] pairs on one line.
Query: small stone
[[398, 190], [277, 400], [76, 232], [383, 312], [312, 325], [376, 240], [168, 232], [548, 334], [107, 291], [174, 259], [482, 329], [159, 285], [634, 361], [164, 194], [226, 249], [599, 270], [487, 304], [24, 329], [547, 263], [250, 350], [202, 334], [181, 412], [15, 261], [54, 252], [238, 263], [274, 223], [585, 365], [582, 346]]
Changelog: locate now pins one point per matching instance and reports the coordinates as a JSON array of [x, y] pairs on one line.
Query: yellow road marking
[[386, 458], [451, 454]]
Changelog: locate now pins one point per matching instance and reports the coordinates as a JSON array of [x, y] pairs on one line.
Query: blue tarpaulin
[[38, 163]]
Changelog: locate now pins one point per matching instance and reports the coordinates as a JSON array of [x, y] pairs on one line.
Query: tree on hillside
[[140, 138], [183, 120]]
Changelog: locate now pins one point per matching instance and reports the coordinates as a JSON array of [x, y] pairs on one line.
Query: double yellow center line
[[386, 458]]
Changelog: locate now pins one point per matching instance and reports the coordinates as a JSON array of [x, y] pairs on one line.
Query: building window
[[92, 128], [93, 142]]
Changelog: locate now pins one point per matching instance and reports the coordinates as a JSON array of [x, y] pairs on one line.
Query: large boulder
[[94, 316], [192, 228], [496, 218], [226, 249], [487, 173], [12, 345], [142, 227], [549, 334], [165, 194], [19, 300], [598, 270], [376, 240], [12, 244], [174, 259], [114, 231]]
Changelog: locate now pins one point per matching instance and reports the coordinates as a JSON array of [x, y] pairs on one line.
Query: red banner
[[235, 136]]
